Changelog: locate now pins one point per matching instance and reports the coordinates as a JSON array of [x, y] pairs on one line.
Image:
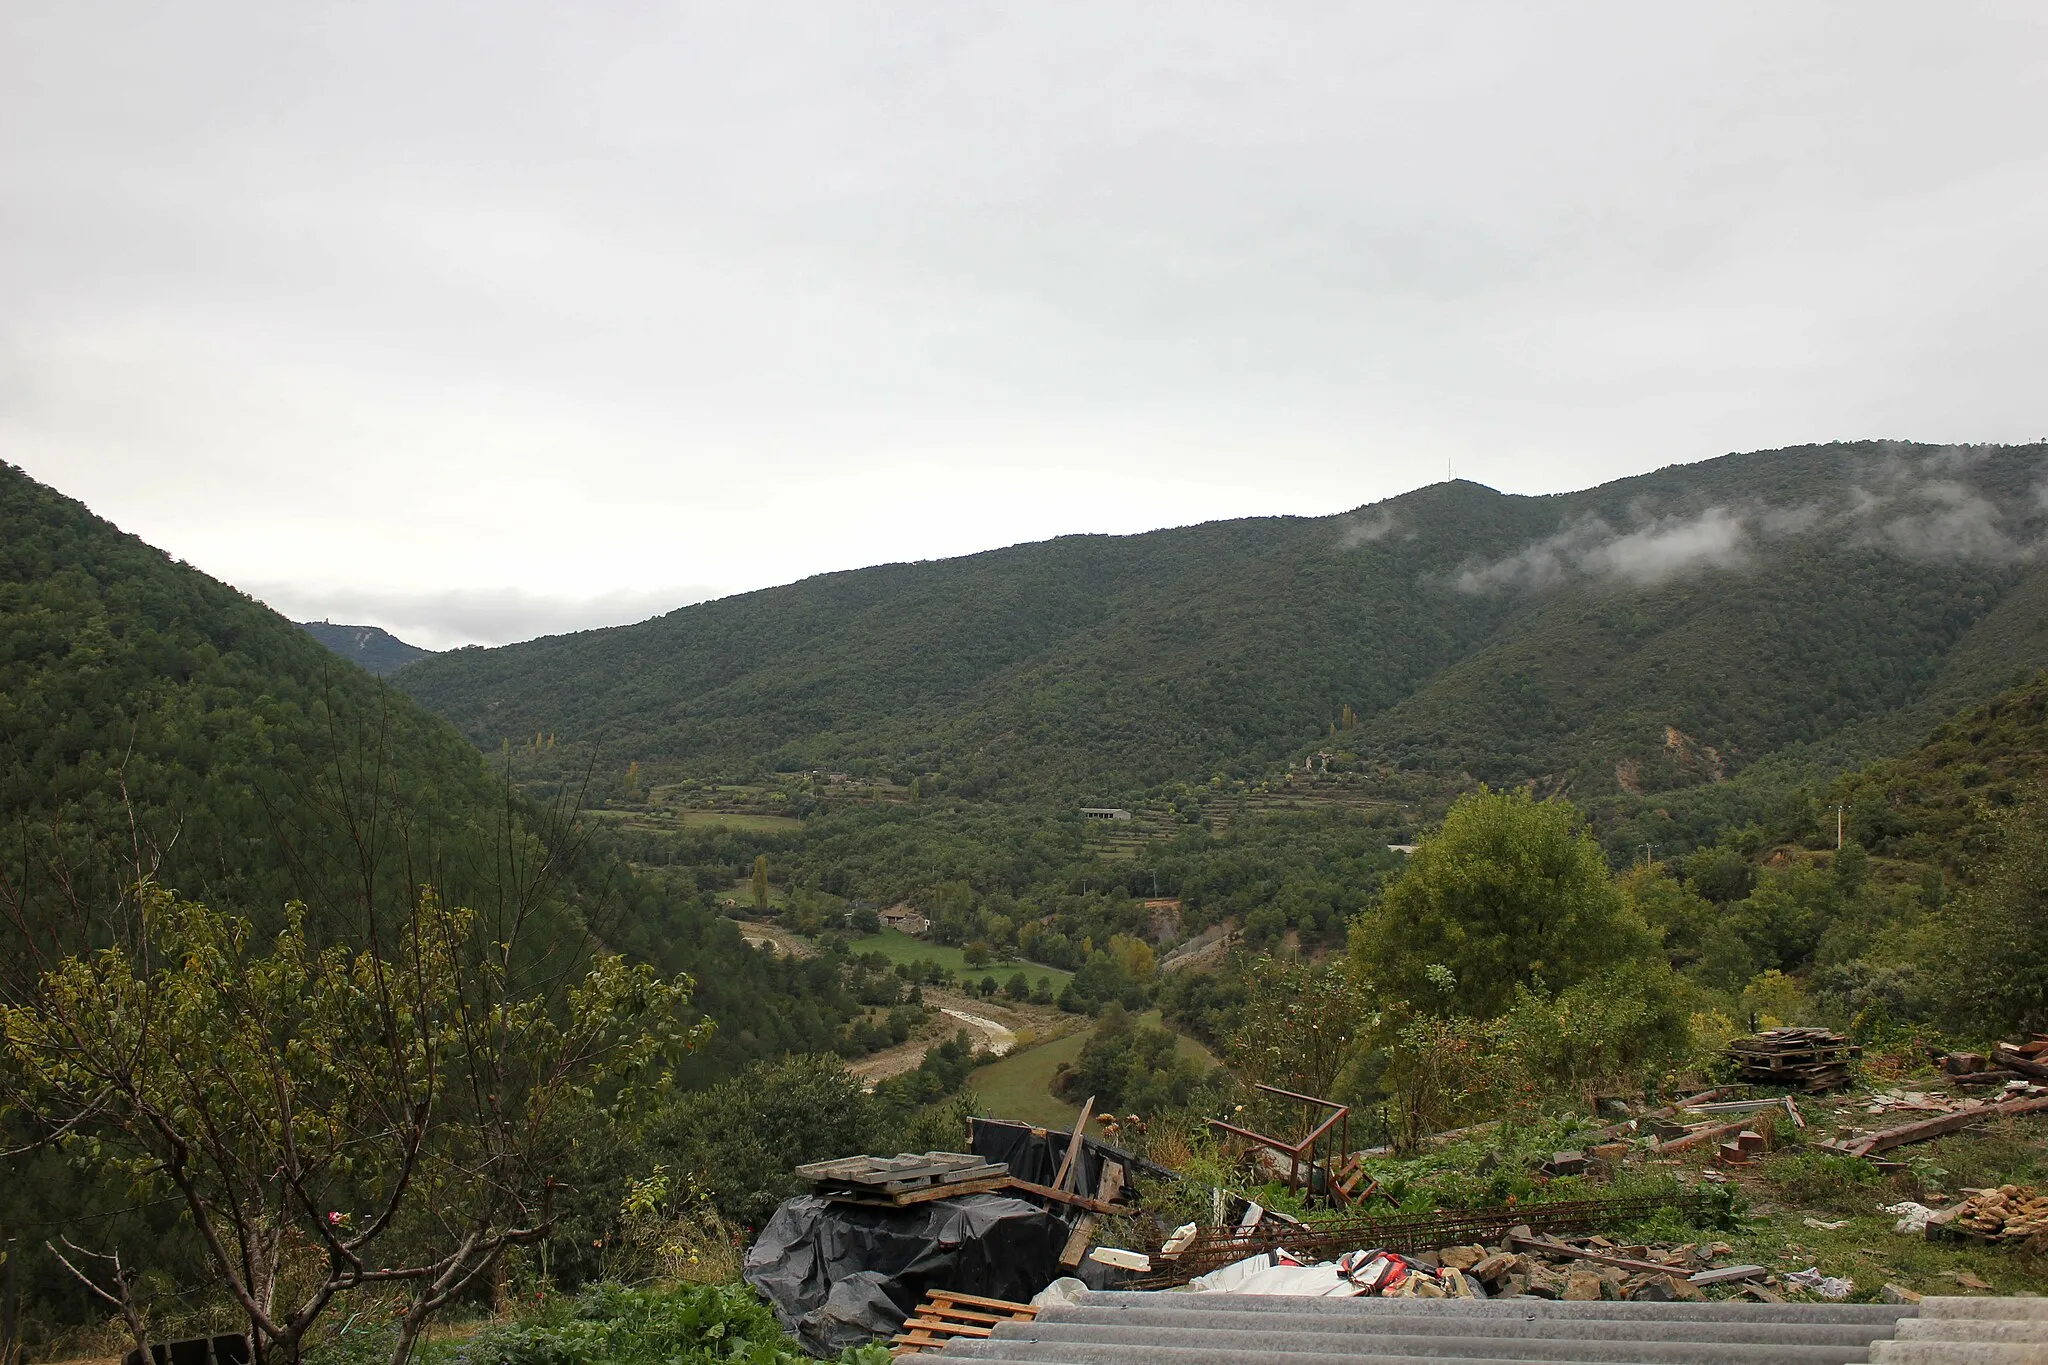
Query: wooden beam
[[1074, 1144], [1550, 1246], [1079, 1201], [1714, 1134], [1077, 1244]]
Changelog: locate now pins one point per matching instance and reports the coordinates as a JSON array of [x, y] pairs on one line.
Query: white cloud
[[731, 294], [1656, 552], [1366, 529], [1941, 519]]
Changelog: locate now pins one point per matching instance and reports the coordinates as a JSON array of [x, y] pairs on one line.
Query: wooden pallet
[[893, 1175], [946, 1316]]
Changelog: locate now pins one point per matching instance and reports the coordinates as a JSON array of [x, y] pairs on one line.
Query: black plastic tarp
[[1035, 1154], [840, 1274]]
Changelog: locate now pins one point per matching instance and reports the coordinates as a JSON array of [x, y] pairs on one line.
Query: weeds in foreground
[[684, 1324]]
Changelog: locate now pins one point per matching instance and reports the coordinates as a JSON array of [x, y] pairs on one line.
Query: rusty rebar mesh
[[1411, 1232]]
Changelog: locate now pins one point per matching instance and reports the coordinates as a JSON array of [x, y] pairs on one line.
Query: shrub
[[683, 1325], [1823, 1179]]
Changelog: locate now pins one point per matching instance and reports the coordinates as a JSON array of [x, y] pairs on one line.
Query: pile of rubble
[[2010, 1213], [1522, 1263], [2009, 1064]]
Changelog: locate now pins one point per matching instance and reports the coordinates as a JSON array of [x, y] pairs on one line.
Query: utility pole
[[1647, 849], [1839, 811]]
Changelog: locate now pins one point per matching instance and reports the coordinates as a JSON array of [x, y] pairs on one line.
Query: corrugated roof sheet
[[1237, 1329]]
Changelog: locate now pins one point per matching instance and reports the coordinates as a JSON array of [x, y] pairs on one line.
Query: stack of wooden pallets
[[945, 1316], [912, 1178], [1811, 1059]]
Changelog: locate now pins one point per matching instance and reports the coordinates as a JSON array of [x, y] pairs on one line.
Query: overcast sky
[[482, 321]]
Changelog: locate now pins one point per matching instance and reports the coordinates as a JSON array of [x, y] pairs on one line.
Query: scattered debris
[[2029, 1059], [1693, 1137], [1813, 1282], [1216, 1247], [1818, 1226], [1967, 1279], [1965, 1114], [1121, 1259], [1313, 1162], [1898, 1293], [2010, 1213], [1811, 1059], [1743, 1148], [1912, 1218]]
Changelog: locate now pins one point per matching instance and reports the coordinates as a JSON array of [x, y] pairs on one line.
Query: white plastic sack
[[1066, 1289], [1913, 1218], [1301, 1281], [1226, 1279]]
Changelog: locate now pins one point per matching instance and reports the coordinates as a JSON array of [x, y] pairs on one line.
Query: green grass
[[1870, 1253], [741, 892], [898, 946], [1020, 1085], [725, 819]]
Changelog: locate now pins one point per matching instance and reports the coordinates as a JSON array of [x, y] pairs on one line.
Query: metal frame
[[1304, 1150]]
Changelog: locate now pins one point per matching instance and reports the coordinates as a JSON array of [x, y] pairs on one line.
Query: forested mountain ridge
[[133, 685], [377, 650], [1657, 631]]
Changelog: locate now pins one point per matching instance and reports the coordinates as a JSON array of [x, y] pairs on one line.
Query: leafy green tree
[[403, 1109], [1986, 952], [1510, 893], [761, 884], [1783, 919], [1673, 910], [1018, 987], [1125, 1065], [1298, 1027]]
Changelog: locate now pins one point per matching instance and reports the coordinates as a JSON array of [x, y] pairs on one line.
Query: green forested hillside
[[1941, 802], [154, 720], [377, 650], [1656, 632]]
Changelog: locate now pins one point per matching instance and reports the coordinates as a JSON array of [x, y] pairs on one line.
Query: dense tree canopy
[[1511, 892]]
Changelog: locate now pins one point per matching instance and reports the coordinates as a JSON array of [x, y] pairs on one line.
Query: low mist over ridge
[[1822, 594]]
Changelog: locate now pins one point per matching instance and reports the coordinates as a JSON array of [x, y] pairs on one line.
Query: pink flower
[[337, 1218]]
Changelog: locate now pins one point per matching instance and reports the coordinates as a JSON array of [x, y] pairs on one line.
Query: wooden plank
[[1010, 1306], [1714, 1134], [1921, 1131], [1079, 1201], [1074, 1145], [1077, 1244], [970, 1316], [957, 1329]]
